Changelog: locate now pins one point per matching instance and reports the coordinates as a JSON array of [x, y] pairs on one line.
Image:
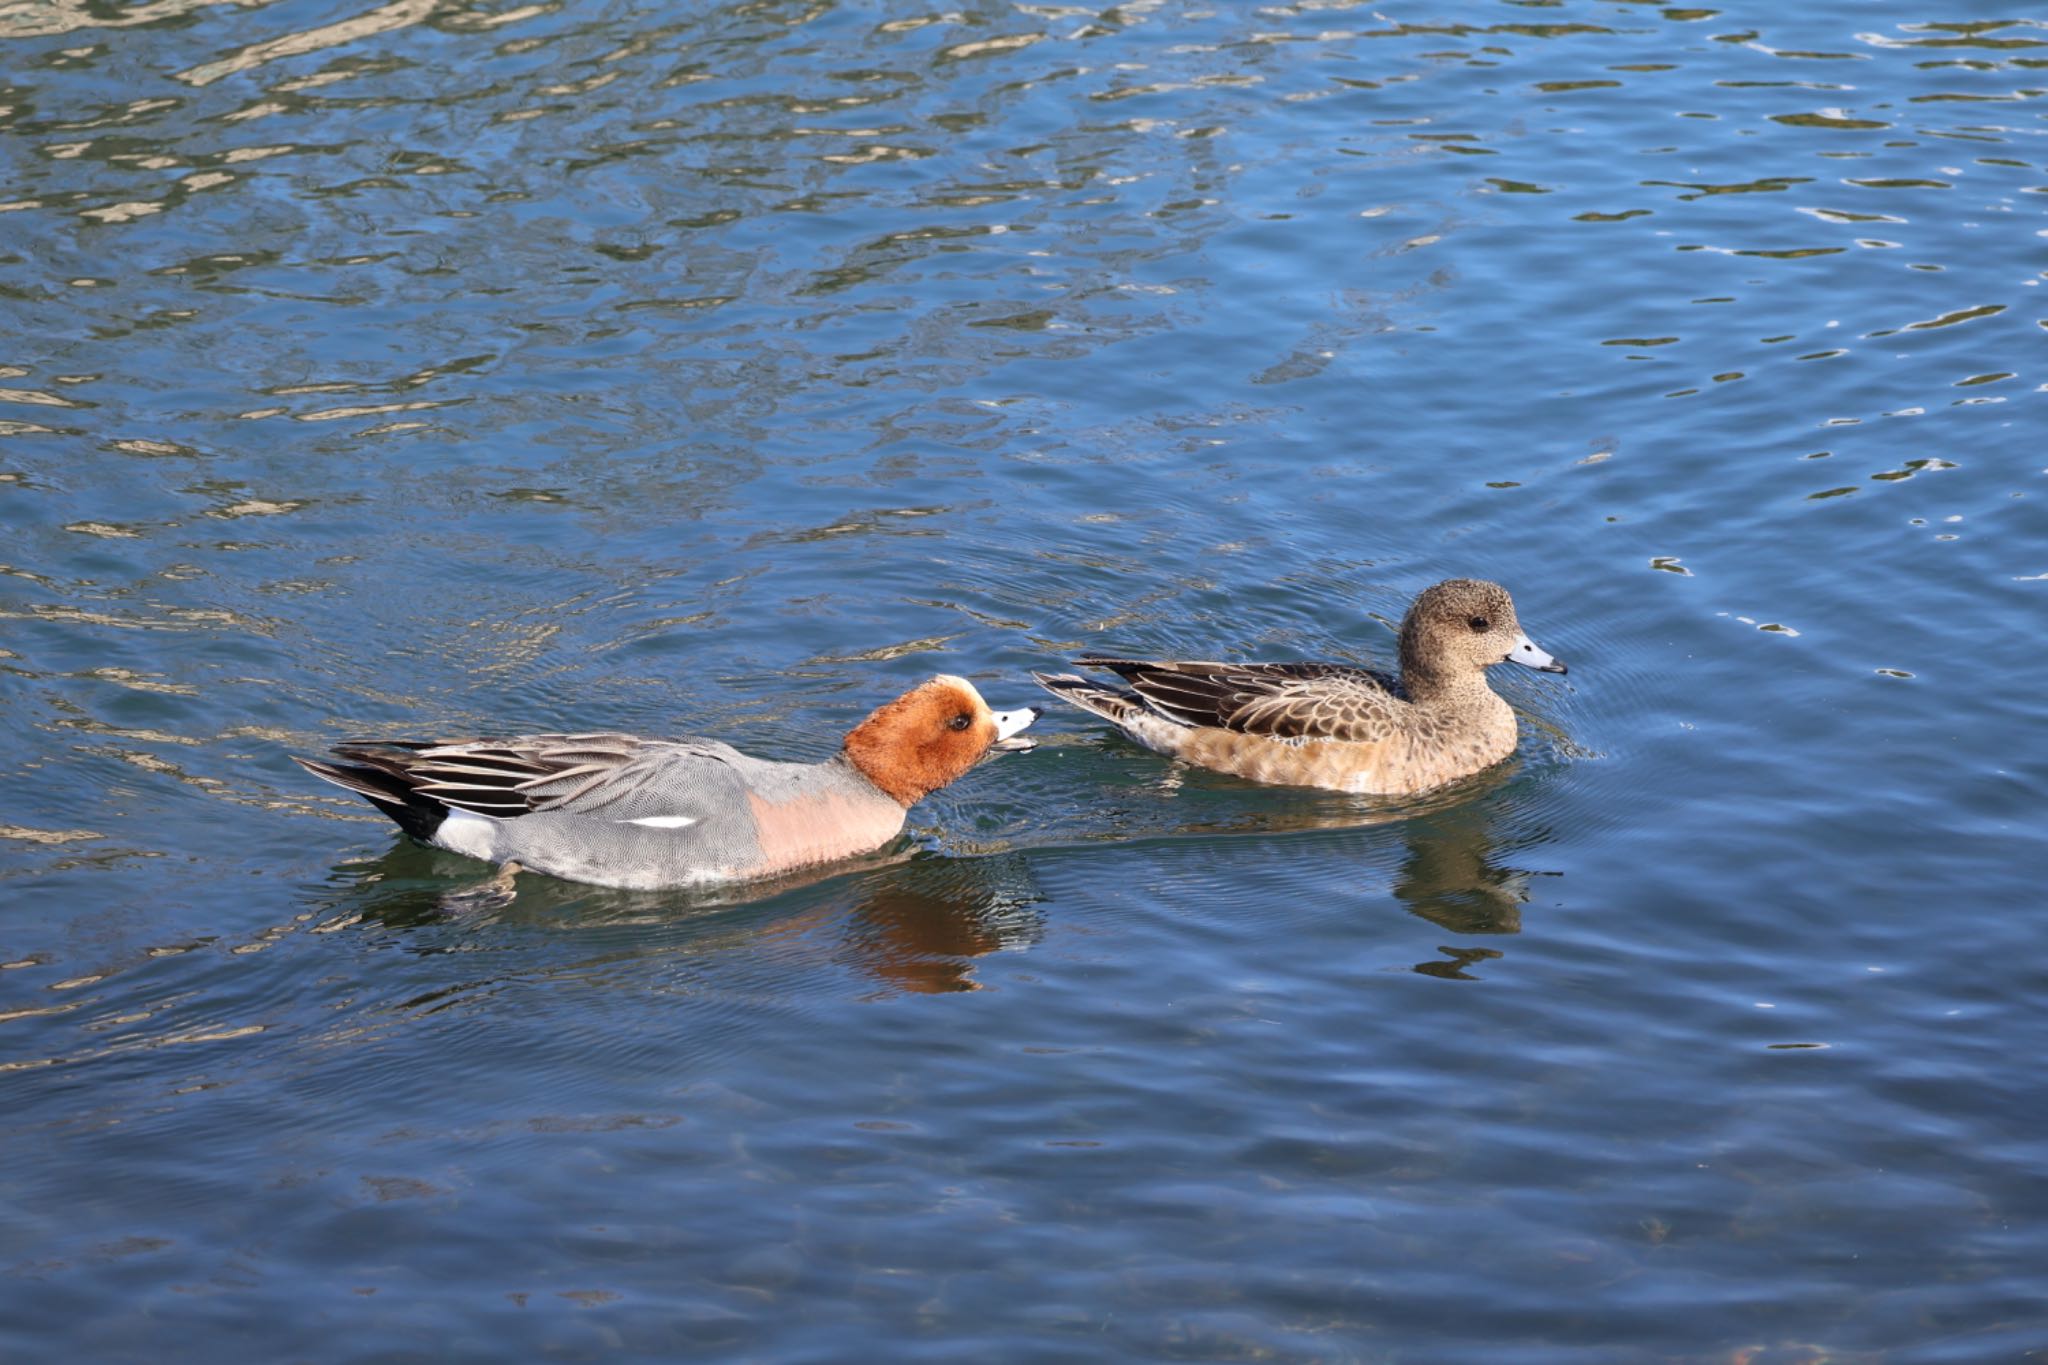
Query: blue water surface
[[434, 367]]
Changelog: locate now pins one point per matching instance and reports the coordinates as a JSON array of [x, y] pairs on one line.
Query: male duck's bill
[[1528, 655], [1009, 729]]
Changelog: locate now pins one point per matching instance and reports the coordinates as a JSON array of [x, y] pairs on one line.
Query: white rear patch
[[661, 821], [468, 833]]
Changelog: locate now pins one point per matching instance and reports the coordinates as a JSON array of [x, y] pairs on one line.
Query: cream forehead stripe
[[1007, 723], [953, 680]]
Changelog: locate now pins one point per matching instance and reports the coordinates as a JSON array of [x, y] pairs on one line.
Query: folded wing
[[620, 777], [1281, 700]]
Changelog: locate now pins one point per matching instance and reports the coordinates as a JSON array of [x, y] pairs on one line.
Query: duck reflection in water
[[913, 923], [918, 929], [1450, 874], [1449, 877], [1449, 871], [909, 922]]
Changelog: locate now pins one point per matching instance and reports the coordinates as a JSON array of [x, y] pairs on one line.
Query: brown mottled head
[[916, 744], [1459, 627]]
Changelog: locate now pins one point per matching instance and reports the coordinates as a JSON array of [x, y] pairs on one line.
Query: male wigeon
[[1335, 725], [620, 810]]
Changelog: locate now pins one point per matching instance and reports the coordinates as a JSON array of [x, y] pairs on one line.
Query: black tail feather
[[417, 814]]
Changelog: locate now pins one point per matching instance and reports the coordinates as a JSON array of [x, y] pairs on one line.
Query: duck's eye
[[1477, 623], [960, 722]]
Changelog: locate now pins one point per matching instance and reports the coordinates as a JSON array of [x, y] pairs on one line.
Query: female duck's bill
[[1528, 655]]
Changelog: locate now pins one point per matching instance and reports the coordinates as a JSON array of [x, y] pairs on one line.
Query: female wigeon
[[1334, 725], [620, 810]]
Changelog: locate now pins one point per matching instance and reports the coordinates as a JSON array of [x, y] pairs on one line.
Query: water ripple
[[726, 369]]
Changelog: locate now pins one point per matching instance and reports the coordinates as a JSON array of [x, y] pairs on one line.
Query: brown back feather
[[1309, 700]]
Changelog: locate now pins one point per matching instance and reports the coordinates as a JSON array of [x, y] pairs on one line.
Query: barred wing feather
[[1283, 700], [621, 776]]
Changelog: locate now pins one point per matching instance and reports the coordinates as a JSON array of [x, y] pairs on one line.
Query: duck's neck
[[1430, 684], [867, 765]]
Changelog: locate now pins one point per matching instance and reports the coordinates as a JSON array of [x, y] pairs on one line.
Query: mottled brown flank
[[1439, 746], [907, 748]]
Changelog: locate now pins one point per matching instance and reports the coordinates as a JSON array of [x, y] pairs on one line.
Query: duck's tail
[[1125, 710], [1109, 703], [389, 792]]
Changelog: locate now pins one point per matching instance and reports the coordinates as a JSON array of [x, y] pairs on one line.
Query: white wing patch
[[661, 821]]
